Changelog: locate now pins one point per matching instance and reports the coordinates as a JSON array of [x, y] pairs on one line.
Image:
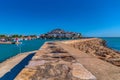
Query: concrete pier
[[9, 64]]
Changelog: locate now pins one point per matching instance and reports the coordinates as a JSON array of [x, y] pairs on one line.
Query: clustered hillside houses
[[60, 34]]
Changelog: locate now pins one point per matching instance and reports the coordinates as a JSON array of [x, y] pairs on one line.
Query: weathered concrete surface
[[69, 61], [52, 62], [7, 65], [80, 72], [100, 68], [96, 47]]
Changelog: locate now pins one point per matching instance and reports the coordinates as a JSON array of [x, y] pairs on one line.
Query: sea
[[112, 42], [8, 51]]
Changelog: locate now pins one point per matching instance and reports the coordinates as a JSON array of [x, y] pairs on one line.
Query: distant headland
[[60, 34]]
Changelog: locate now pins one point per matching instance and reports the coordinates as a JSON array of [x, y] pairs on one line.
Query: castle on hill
[[60, 34]]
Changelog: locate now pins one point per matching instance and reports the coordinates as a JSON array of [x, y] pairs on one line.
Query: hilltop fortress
[[60, 34]]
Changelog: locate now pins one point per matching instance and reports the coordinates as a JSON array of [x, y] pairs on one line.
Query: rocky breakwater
[[52, 62], [97, 48]]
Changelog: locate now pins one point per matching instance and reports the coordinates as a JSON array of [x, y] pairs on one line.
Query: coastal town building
[[16, 38], [60, 34]]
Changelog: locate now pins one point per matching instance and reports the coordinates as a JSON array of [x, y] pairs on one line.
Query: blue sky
[[90, 17]]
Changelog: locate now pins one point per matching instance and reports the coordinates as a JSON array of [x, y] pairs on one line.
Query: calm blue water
[[7, 51], [113, 42]]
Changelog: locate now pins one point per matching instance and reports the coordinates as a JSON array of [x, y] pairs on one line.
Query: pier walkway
[[14, 65]]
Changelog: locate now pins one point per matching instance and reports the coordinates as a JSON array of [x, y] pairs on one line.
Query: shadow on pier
[[16, 70]]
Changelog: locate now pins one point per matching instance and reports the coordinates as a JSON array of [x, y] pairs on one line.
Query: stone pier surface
[[65, 60], [7, 65]]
